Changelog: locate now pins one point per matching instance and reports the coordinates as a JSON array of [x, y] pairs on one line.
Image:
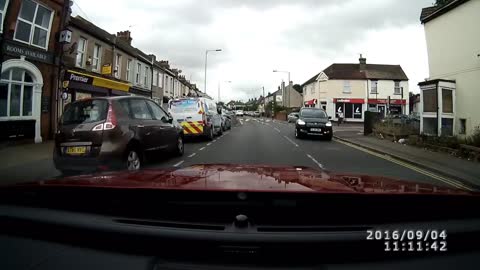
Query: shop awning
[[87, 79], [311, 102]]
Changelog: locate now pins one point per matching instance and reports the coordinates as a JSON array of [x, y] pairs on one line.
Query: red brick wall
[[49, 71]]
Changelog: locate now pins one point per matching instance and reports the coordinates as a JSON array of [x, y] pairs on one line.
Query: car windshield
[[313, 114], [353, 96], [184, 106], [86, 111]]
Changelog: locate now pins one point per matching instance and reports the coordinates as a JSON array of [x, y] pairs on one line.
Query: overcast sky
[[258, 36]]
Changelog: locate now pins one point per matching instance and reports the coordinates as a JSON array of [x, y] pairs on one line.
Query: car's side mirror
[[167, 120]]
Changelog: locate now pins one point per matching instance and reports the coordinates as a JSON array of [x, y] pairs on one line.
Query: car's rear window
[[313, 114], [184, 106], [86, 111]]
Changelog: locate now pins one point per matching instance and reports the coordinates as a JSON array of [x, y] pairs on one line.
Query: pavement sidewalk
[[27, 162], [440, 163]]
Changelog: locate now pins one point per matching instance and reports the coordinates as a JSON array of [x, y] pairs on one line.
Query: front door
[[381, 109]]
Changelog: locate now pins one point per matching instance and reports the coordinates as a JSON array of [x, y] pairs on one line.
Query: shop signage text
[[30, 53], [349, 100], [107, 69], [74, 76]]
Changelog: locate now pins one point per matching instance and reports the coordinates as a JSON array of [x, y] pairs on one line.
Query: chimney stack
[[125, 36], [363, 63]]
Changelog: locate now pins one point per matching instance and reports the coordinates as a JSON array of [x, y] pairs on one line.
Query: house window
[[160, 79], [447, 100], [137, 75], [96, 57], [155, 78], [447, 126], [81, 47], [374, 87], [397, 90], [145, 76], [16, 93], [118, 66], [347, 89], [172, 85], [430, 100], [166, 84], [33, 24], [463, 126], [129, 67], [3, 8]]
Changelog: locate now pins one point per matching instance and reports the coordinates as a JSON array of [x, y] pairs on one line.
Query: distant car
[[256, 114], [111, 133], [292, 117], [239, 113], [313, 122]]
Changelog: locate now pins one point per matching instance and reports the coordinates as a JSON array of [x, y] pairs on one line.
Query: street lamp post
[[206, 60], [283, 91], [219, 83]]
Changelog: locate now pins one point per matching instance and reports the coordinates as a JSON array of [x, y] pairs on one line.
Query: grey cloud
[[333, 31]]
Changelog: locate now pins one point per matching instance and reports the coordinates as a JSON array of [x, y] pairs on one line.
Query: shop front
[[137, 91], [395, 106], [351, 108], [78, 85]]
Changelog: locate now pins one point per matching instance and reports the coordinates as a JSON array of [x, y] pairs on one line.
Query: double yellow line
[[451, 182]]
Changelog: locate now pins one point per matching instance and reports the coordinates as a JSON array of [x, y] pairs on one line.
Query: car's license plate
[[316, 129], [76, 150]]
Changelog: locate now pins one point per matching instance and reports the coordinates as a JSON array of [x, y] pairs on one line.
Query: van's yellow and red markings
[[192, 127]]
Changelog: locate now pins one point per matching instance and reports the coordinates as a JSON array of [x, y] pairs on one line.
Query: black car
[[113, 133], [314, 122]]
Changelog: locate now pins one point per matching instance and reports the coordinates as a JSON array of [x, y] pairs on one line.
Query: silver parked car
[[292, 117]]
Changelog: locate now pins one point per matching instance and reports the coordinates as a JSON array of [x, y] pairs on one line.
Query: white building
[[450, 96], [354, 88]]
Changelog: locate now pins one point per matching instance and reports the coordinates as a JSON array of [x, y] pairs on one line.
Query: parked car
[[226, 122], [113, 133], [198, 116], [292, 118], [239, 113], [314, 122], [256, 114]]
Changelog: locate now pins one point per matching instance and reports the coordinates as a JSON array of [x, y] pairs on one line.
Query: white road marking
[[246, 120], [179, 163], [278, 130], [201, 148], [316, 162], [209, 143], [214, 140], [192, 155], [294, 143], [241, 122], [268, 121]]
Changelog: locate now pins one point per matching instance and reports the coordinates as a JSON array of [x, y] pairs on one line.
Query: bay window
[[34, 24]]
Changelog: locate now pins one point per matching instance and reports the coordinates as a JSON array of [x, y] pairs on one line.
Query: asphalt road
[[255, 141], [267, 142]]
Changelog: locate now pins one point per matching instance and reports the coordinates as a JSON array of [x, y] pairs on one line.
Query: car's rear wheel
[[210, 134], [180, 147], [220, 131], [134, 161], [329, 137]]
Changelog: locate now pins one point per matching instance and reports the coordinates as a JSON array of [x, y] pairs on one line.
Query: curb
[[425, 167]]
